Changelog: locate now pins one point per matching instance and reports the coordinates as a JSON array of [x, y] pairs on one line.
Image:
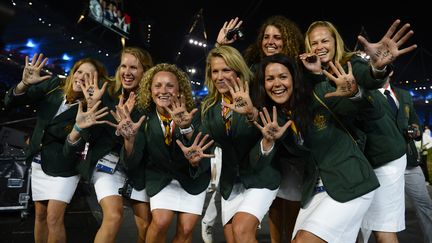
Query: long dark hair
[[299, 101]]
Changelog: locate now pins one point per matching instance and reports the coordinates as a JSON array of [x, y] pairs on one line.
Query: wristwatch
[[186, 130]]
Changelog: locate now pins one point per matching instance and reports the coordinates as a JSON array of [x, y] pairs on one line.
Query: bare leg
[[244, 227], [41, 228], [185, 225], [142, 217], [161, 220], [303, 236], [55, 221], [385, 237], [112, 209]]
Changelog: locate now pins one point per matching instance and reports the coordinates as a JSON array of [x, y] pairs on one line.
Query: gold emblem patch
[[319, 122], [407, 111], [68, 128]]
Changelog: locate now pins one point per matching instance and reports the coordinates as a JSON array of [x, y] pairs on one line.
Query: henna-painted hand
[[31, 72], [91, 90], [270, 129], [387, 50], [195, 152], [125, 126], [179, 113], [91, 116], [346, 84], [242, 103]]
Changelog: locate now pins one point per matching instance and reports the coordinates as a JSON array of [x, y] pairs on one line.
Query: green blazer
[[407, 115], [50, 132], [165, 163], [335, 156], [290, 148], [241, 159], [384, 141]]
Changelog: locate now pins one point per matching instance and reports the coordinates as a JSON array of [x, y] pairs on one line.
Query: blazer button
[[40, 145]]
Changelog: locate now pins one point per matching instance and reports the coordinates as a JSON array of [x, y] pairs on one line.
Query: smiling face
[[131, 72], [272, 41], [221, 74], [323, 44], [80, 74], [164, 86], [278, 83]]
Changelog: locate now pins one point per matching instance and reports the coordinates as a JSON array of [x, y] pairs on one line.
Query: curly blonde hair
[[144, 99], [235, 61]]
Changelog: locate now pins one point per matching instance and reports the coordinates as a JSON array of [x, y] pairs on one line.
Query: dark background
[[171, 21]]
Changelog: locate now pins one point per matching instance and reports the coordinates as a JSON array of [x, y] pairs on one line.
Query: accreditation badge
[[108, 163]]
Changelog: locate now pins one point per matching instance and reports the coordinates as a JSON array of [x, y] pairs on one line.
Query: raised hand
[[311, 62], [195, 152], [346, 84], [270, 129], [91, 90], [31, 72], [232, 24], [130, 102], [242, 103], [387, 49], [91, 116], [125, 126], [179, 113]]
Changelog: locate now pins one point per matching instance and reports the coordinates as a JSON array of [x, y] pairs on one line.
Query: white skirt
[[331, 220], [387, 211], [45, 187], [106, 184], [174, 197], [255, 201]]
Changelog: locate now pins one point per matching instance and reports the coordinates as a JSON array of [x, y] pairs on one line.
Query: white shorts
[[255, 201], [333, 221], [106, 184], [173, 197], [387, 211], [46, 187], [291, 184]]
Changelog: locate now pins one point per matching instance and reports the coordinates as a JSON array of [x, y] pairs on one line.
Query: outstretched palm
[[387, 49], [179, 113], [346, 84], [31, 72], [242, 103], [91, 90], [91, 116], [271, 130], [125, 126], [195, 152]]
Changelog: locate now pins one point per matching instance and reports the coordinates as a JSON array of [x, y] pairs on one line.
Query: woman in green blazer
[[339, 181], [247, 189], [100, 164], [279, 87], [173, 184], [54, 178]]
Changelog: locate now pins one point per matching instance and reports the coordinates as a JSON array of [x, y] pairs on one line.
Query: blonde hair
[[68, 83], [342, 54], [144, 59], [235, 61], [144, 99]]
